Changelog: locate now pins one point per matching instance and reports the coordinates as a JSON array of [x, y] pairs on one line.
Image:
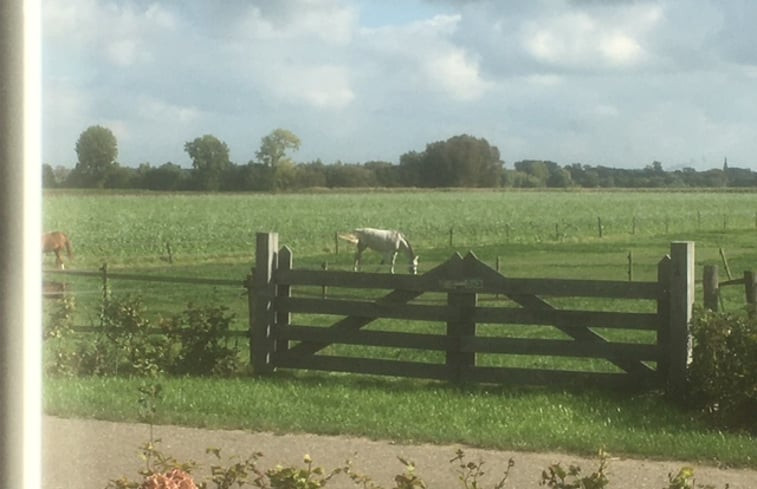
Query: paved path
[[86, 454]]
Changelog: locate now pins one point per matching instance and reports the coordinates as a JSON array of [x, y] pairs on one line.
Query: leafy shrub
[[133, 349], [60, 320], [125, 343], [723, 373], [200, 344]]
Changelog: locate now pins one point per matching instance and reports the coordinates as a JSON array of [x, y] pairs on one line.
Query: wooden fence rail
[[277, 341]]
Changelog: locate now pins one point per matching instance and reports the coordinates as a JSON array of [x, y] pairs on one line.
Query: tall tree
[[210, 159], [273, 154], [460, 161], [97, 150], [274, 146]]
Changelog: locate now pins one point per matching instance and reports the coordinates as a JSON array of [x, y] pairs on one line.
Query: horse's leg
[[394, 258], [58, 259], [358, 254]]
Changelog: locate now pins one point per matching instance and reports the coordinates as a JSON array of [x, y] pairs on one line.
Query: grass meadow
[[591, 235]]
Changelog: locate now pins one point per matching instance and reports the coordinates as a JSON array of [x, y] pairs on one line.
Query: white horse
[[384, 241]]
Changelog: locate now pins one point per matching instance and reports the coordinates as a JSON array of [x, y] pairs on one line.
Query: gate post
[[263, 314], [681, 302], [750, 289], [710, 287]]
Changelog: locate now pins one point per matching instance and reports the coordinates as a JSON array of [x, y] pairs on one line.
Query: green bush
[[723, 373], [192, 342], [200, 344], [133, 349]]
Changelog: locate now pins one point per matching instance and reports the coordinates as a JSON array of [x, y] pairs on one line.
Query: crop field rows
[[131, 230]]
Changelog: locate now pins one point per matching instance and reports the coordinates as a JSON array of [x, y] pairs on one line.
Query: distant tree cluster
[[460, 161]]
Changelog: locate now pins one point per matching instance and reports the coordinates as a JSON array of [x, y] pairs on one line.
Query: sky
[[614, 83]]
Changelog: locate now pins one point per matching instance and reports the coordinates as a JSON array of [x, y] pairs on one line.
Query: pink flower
[[175, 479]]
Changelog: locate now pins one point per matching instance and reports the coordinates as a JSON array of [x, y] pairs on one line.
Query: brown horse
[[56, 242]]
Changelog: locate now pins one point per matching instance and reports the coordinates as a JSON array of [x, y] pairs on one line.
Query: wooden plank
[[492, 315], [394, 339], [567, 318], [372, 366], [750, 292], [561, 348], [710, 287], [489, 285], [352, 280], [367, 309]]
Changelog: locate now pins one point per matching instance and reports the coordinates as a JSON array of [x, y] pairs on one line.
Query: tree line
[[460, 161]]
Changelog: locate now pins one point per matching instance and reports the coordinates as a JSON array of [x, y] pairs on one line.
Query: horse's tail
[[349, 237]]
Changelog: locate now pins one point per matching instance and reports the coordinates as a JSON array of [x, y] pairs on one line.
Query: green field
[[530, 234], [131, 230]]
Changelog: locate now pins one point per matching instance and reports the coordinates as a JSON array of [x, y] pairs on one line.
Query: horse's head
[[413, 266]]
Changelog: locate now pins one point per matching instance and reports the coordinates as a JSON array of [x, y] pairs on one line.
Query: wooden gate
[[456, 287]]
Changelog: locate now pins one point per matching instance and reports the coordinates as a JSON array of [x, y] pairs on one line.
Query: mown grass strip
[[576, 421]]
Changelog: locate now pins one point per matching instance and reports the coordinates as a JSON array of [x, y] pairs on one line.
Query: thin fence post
[[106, 292], [261, 331], [750, 289], [725, 263], [336, 243], [451, 236], [710, 287], [599, 226], [681, 303], [169, 252], [498, 268], [630, 266], [324, 289]]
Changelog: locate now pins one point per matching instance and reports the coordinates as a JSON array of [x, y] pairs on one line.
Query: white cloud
[[326, 20], [457, 75], [153, 109], [591, 39], [122, 52], [322, 87]]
